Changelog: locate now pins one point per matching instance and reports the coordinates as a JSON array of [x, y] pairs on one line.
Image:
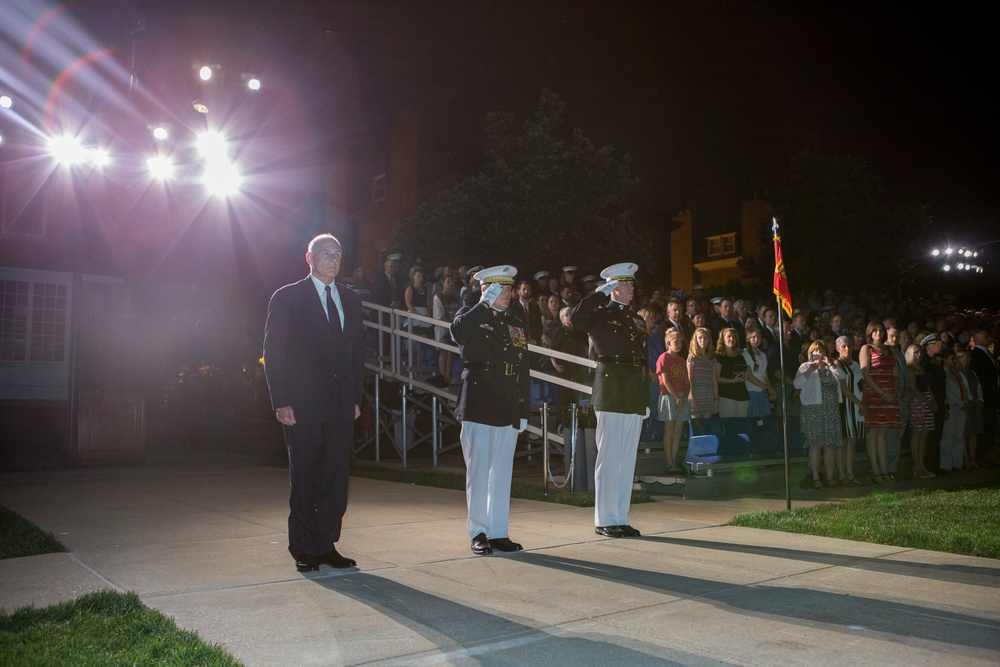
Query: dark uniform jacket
[[619, 336], [496, 381]]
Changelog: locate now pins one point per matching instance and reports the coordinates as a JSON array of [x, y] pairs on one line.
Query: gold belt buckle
[[508, 368]]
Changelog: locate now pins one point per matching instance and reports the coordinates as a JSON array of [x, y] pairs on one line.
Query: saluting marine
[[621, 393], [494, 399]]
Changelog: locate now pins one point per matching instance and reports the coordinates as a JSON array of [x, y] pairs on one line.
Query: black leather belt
[[508, 369], [620, 359]]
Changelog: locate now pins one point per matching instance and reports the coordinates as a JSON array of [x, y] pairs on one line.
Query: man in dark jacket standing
[[494, 399], [621, 393], [314, 365]]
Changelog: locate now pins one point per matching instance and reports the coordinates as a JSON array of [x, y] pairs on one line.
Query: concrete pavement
[[206, 545]]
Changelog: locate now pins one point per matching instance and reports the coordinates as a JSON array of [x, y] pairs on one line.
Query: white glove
[[647, 414], [607, 288], [491, 293], [524, 425]]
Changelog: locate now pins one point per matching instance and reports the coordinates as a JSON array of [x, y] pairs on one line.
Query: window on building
[[723, 244], [378, 189], [33, 321]]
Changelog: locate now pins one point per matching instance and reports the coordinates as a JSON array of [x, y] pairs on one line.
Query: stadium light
[[211, 145], [67, 150], [222, 178], [160, 167]]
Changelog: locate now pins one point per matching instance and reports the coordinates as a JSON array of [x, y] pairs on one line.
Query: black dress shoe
[[504, 544], [481, 545], [629, 531], [334, 559], [609, 531], [306, 564]]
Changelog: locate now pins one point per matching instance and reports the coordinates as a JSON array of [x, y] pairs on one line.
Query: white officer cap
[[621, 272], [927, 340], [395, 256], [569, 269], [473, 270], [503, 274], [717, 300], [541, 274], [589, 278]]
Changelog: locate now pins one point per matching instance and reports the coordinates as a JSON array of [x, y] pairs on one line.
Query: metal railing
[[391, 350]]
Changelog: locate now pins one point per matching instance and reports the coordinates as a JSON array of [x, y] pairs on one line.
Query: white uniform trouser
[[489, 463], [953, 439], [617, 446]]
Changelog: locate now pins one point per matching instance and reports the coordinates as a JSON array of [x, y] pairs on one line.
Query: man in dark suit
[[388, 287], [527, 311], [727, 320], [621, 393], [314, 365], [494, 399], [799, 338], [987, 371], [675, 320]]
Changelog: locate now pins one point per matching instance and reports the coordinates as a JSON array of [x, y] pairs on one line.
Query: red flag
[[780, 279]]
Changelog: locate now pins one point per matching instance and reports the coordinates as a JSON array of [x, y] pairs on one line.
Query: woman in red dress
[[881, 376]]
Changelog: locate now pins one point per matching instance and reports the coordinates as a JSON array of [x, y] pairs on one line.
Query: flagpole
[[781, 357]]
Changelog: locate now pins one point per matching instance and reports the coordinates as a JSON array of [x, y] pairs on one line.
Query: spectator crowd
[[867, 368]]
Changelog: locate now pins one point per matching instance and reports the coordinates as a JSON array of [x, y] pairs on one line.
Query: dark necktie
[[527, 321], [331, 311]]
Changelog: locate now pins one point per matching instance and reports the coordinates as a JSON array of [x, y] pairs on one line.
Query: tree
[[543, 198]]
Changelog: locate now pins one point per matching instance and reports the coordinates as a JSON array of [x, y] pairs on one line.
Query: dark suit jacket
[[534, 323], [686, 327], [489, 395], [382, 292], [733, 323], [308, 365], [986, 371]]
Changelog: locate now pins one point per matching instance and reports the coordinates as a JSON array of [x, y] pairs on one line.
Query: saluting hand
[[490, 295], [607, 288]]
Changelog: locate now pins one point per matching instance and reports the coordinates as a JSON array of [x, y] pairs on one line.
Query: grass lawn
[[23, 538], [101, 629], [445, 480], [961, 522]]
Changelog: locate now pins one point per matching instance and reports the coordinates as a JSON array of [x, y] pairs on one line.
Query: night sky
[[709, 98]]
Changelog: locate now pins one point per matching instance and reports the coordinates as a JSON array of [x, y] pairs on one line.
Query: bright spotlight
[[6, 101], [935, 252], [960, 266], [160, 167], [205, 73], [99, 157], [222, 178], [948, 251], [160, 133], [67, 150], [211, 145], [200, 106], [253, 83], [946, 267]]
